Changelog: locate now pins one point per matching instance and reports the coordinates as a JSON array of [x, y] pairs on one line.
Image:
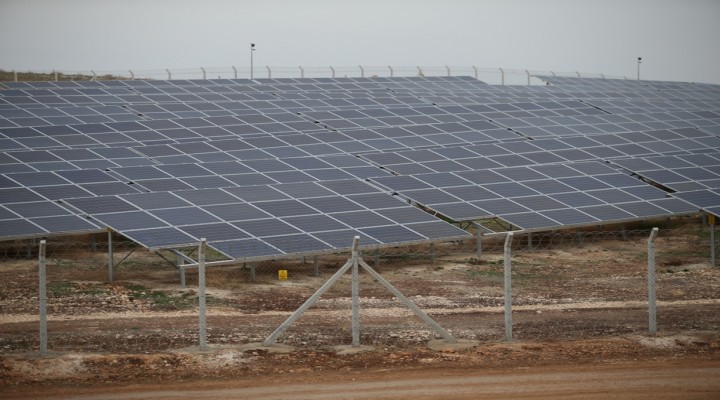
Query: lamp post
[[252, 50], [639, 62]]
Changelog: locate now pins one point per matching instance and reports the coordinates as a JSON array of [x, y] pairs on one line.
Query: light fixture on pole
[[252, 50], [639, 62]]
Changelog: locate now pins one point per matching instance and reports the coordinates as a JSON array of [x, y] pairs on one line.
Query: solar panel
[[207, 152]]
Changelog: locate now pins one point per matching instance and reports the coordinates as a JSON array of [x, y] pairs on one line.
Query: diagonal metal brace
[[412, 306], [270, 340]]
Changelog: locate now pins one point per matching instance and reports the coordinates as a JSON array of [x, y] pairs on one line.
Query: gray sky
[[678, 39]]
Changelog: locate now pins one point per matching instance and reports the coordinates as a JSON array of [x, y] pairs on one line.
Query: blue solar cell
[[245, 248]]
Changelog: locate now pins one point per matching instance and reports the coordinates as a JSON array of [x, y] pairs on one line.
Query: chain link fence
[[245, 302], [499, 76]]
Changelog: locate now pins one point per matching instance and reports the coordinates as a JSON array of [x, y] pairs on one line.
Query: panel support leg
[[181, 270]]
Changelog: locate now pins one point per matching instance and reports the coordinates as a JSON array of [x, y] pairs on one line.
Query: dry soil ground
[[579, 326]]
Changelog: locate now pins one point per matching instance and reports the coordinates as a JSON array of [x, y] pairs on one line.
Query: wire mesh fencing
[[593, 278]]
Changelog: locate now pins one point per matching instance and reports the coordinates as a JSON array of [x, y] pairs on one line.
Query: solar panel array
[[275, 167]]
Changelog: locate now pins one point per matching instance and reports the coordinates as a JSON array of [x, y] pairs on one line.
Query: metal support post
[[392, 73], [316, 266], [94, 75], [181, 270], [377, 262], [502, 76], [355, 296], [201, 296], [42, 295], [602, 76], [578, 74], [578, 235], [110, 256], [623, 232], [528, 76], [432, 253], [530, 241], [56, 75], [478, 244], [302, 72], [553, 73], [448, 70], [507, 274], [93, 242], [639, 61], [132, 75], [362, 71], [652, 316], [269, 72], [15, 75], [476, 71], [713, 244], [420, 73], [234, 71], [169, 74], [204, 73]]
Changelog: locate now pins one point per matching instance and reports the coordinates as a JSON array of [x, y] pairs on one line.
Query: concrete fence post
[[132, 75], [507, 275], [204, 73], [420, 71], [362, 71], [476, 71], [502, 76], [391, 71], [652, 313], [528, 76], [355, 289], [448, 70], [15, 77], [713, 242], [302, 72], [169, 73], [234, 71], [269, 71], [332, 70], [202, 324], [42, 295]]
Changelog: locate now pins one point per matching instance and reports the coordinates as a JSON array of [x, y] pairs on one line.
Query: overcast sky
[[678, 39]]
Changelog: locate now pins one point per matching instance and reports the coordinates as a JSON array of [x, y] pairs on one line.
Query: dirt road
[[647, 380]]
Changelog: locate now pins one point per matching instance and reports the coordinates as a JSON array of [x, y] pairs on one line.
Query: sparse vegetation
[[10, 76]]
